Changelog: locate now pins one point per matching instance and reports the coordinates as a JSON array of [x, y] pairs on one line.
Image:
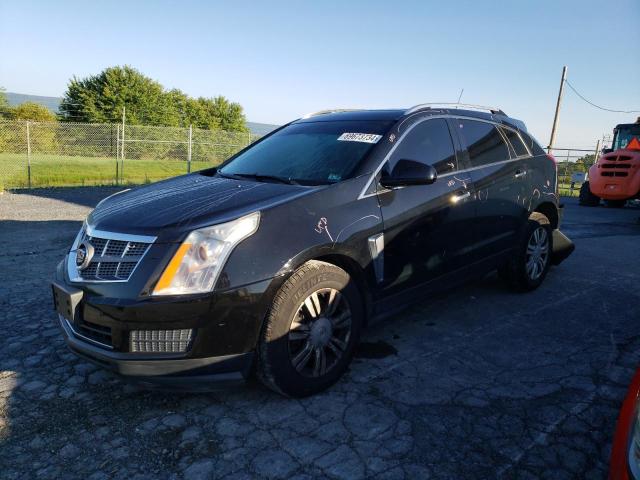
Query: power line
[[598, 106]]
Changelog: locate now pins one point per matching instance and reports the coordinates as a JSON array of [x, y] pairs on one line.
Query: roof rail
[[466, 106], [332, 110]]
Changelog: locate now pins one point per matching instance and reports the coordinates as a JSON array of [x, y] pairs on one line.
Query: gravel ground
[[479, 384]]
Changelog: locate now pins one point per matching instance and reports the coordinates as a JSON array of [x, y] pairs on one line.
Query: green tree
[[101, 98], [224, 114], [587, 160], [4, 104], [32, 111]]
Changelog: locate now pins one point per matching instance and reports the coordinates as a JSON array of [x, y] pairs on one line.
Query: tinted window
[[484, 142], [428, 142], [516, 143], [532, 144], [314, 152]]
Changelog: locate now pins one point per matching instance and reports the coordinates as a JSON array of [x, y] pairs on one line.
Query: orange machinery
[[615, 177]]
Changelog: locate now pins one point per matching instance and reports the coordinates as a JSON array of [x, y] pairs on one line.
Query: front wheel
[[311, 330], [587, 198], [528, 267]]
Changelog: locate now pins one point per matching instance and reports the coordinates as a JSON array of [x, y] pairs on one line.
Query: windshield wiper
[[264, 178]]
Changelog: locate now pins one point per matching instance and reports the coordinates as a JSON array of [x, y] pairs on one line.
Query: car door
[[496, 178], [426, 228]]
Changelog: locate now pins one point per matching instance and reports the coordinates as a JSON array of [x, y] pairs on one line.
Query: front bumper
[[226, 368], [225, 330]]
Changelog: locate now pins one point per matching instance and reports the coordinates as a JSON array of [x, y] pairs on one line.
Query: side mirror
[[409, 172], [606, 150]]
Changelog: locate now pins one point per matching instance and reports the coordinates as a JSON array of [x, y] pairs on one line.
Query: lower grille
[[160, 341], [95, 332]]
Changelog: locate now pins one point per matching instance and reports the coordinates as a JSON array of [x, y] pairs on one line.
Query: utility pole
[[555, 118]]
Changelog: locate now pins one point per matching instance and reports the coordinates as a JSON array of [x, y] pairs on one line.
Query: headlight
[[196, 265]]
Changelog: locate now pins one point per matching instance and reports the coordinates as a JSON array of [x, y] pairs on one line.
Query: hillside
[[53, 103]]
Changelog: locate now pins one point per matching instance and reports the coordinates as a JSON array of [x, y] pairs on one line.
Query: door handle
[[461, 195], [520, 173]]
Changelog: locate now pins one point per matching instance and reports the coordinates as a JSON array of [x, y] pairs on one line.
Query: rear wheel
[[528, 267], [615, 203], [311, 331], [587, 198]]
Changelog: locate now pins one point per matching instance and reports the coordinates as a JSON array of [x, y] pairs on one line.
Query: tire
[[311, 331], [615, 203], [587, 198], [517, 272]]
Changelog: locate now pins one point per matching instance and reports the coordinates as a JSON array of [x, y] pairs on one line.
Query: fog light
[[160, 341]]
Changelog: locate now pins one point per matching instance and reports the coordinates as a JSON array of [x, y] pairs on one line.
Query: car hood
[[170, 208]]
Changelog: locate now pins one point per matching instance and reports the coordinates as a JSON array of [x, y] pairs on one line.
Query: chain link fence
[[573, 165], [34, 154]]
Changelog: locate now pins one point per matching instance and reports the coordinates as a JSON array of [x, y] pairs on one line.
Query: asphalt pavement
[[479, 383]]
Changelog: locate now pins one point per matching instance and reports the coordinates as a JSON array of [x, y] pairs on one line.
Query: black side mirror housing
[[606, 150], [407, 173]]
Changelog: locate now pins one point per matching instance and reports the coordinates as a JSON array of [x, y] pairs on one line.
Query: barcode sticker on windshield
[[360, 137]]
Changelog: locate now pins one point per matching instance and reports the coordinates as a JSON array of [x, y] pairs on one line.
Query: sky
[[280, 60]]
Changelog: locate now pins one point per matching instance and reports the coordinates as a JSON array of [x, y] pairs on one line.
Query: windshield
[[310, 152], [624, 135]]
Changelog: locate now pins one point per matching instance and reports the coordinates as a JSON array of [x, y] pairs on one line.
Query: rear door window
[[483, 141], [516, 142], [430, 143]]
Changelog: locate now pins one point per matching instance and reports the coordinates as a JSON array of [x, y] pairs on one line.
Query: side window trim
[[511, 148], [368, 191], [420, 122], [462, 157]]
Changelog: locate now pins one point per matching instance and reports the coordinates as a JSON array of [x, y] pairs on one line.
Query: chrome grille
[[160, 341], [113, 260]]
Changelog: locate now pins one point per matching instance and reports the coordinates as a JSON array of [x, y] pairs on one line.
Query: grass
[[564, 189], [68, 171], [61, 170]]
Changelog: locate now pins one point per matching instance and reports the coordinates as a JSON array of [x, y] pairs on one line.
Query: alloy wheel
[[537, 253], [319, 332]]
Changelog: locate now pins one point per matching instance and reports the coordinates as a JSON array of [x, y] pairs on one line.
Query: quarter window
[[430, 143], [516, 143], [484, 142]]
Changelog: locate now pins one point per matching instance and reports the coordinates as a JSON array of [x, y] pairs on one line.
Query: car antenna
[[460, 96]]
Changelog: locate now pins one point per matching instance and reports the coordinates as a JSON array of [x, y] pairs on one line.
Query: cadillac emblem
[[84, 254]]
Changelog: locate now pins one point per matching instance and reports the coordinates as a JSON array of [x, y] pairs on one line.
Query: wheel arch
[[343, 258], [355, 271], [549, 210]]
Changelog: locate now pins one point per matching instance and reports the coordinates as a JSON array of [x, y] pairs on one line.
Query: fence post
[[117, 154], [189, 150], [566, 178], [122, 146], [28, 156]]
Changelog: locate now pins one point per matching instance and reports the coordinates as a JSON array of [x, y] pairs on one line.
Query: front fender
[[328, 222]]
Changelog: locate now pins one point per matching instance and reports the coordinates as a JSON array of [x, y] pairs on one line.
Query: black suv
[[275, 261]]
